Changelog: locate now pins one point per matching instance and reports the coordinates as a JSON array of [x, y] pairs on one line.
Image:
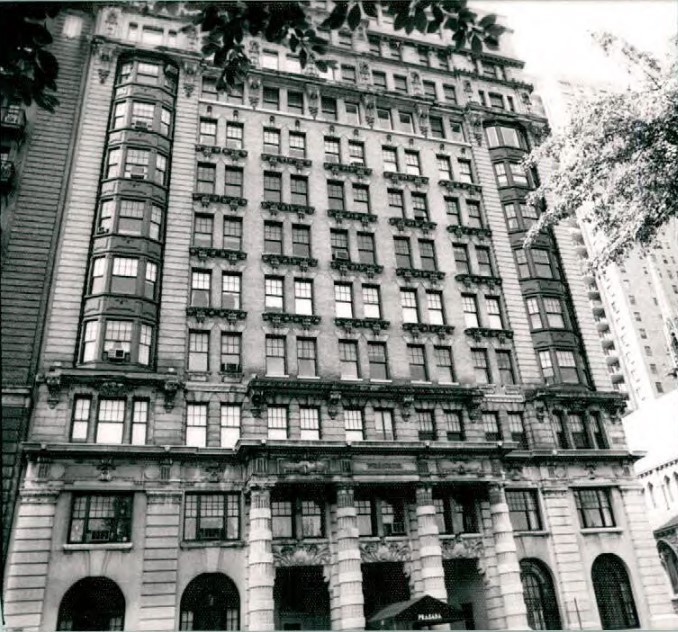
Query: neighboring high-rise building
[[635, 303], [293, 340], [36, 149]]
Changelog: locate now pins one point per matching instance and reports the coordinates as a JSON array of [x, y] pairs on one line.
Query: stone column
[[348, 578], [430, 551], [508, 568], [261, 573]]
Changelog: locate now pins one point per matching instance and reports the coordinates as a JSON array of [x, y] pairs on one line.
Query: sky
[[551, 36]]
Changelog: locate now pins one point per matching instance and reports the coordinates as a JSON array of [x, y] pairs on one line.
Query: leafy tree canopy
[[616, 160], [28, 71]]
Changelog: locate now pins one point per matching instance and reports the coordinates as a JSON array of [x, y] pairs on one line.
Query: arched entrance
[[614, 596], [670, 563], [540, 596], [210, 602], [93, 603]]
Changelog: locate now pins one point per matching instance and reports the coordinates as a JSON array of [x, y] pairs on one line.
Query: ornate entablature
[[401, 223], [340, 216], [58, 381], [206, 199], [202, 313], [203, 253], [548, 399], [281, 207]]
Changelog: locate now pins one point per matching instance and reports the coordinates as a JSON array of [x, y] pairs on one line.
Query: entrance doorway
[[301, 598], [466, 591], [384, 583]]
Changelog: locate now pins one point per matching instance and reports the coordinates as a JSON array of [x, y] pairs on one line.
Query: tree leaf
[[354, 16], [487, 20], [369, 8], [337, 17]]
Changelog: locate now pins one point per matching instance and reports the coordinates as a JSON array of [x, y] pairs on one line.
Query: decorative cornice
[[478, 333], [425, 328], [201, 313], [470, 280], [234, 154], [375, 324], [344, 266], [354, 169], [340, 216], [385, 551], [207, 198], [202, 252], [405, 222], [396, 177], [303, 263], [511, 83], [462, 547], [283, 318], [207, 150], [282, 207], [277, 159], [569, 397], [413, 273], [453, 185], [300, 554], [472, 231]]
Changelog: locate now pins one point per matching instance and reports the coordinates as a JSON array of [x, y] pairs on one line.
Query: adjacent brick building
[[293, 340]]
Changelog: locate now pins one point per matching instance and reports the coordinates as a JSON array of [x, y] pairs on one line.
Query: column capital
[[345, 495], [424, 494]]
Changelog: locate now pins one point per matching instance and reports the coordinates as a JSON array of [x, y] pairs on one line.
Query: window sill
[[454, 536], [226, 544], [351, 379], [110, 546], [378, 381], [308, 377], [595, 530], [537, 532]]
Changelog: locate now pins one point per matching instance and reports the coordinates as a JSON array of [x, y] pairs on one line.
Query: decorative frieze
[[462, 547], [375, 324], [282, 207], [385, 551], [344, 266], [277, 159], [203, 253], [341, 215], [427, 275], [478, 333], [460, 231], [301, 554], [426, 328], [283, 318], [303, 263], [202, 313], [353, 169], [401, 223], [477, 280], [205, 199], [397, 178], [452, 185]]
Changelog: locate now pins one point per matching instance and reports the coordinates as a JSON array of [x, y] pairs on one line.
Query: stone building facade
[[293, 341]]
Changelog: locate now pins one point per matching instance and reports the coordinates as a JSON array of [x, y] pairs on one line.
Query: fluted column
[[260, 562], [508, 568], [430, 551], [349, 578]]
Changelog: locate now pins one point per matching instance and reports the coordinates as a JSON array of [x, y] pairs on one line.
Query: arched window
[[650, 491], [670, 562], [613, 593], [540, 596], [210, 602], [93, 603]]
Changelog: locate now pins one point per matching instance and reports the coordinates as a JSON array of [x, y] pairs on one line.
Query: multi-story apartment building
[[35, 148], [293, 340], [635, 304]]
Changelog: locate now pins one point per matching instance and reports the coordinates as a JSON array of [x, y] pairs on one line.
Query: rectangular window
[[303, 296], [301, 241], [361, 198], [352, 113], [494, 315], [232, 233], [306, 357], [444, 168], [481, 367], [209, 88], [390, 157], [276, 417], [524, 509], [453, 211], [198, 351], [269, 60], [419, 206], [449, 93], [417, 359], [475, 218], [554, 312], [160, 174], [356, 152], [518, 175], [89, 343], [118, 339], [455, 425], [444, 364], [80, 420], [233, 181], [309, 419], [427, 254], [271, 98], [371, 301], [521, 262], [353, 424], [110, 421], [273, 240], [484, 261], [366, 517], [295, 103], [208, 132], [155, 225], [139, 422], [328, 105], [383, 420], [196, 425], [512, 221], [396, 202], [434, 303], [230, 425], [567, 364], [465, 171], [533, 312], [136, 165], [393, 517], [276, 363], [402, 252], [348, 73], [230, 290], [384, 118], [491, 427], [143, 114], [212, 517], [594, 507], [124, 275], [379, 79], [339, 244], [410, 306], [231, 349], [400, 83], [203, 228], [343, 300], [131, 217], [335, 196], [546, 365], [348, 356], [101, 518], [145, 340], [201, 282], [206, 177], [405, 122], [376, 354], [517, 429], [366, 248], [426, 425], [505, 367], [282, 519], [542, 263], [436, 127], [578, 432], [461, 258], [299, 190], [332, 149], [297, 144], [234, 135], [274, 294], [470, 305], [412, 165], [271, 141]]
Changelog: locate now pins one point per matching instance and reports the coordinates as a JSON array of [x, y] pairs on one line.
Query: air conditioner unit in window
[[140, 125], [102, 229], [12, 118], [138, 173], [230, 367], [116, 355], [340, 255]]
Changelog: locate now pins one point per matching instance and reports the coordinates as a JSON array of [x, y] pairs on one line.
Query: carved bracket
[[171, 386], [333, 403]]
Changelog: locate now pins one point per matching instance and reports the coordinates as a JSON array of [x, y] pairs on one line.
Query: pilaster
[[26, 575], [158, 602], [260, 562], [430, 551], [508, 568], [348, 581]]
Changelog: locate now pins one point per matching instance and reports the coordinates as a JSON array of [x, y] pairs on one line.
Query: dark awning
[[421, 611]]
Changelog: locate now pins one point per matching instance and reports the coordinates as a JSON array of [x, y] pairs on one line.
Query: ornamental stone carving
[[392, 551], [462, 548], [301, 554], [303, 467]]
